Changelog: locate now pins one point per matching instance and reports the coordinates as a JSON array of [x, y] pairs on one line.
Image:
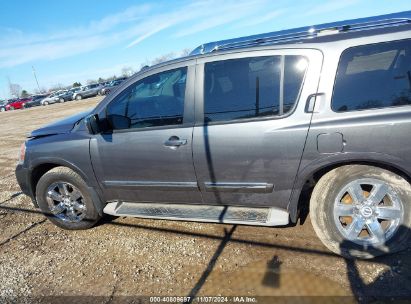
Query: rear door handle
[[310, 103], [175, 141]]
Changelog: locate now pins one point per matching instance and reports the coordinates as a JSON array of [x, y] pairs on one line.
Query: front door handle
[[175, 141]]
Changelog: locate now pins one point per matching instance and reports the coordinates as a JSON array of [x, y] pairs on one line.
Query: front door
[[147, 153], [251, 124]]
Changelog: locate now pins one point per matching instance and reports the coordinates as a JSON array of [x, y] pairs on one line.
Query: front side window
[[157, 100], [373, 76], [252, 87]]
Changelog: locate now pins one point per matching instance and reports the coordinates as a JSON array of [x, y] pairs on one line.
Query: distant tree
[[56, 87], [15, 89], [76, 84], [185, 52], [100, 80], [24, 94], [42, 90], [144, 64], [163, 58], [91, 81], [127, 71]]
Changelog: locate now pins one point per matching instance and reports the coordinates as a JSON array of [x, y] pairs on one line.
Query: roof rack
[[307, 32]]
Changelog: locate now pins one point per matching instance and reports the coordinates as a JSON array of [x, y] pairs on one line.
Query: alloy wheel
[[66, 202], [368, 212]]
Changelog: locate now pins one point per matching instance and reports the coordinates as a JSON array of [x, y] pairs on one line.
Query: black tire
[[11, 108], [61, 100], [328, 189], [66, 175]]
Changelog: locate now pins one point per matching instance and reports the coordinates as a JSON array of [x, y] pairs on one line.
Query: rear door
[[251, 124]]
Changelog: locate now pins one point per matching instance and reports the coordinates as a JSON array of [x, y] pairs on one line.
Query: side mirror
[[93, 124], [118, 122]]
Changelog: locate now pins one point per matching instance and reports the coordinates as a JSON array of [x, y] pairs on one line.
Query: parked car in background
[[90, 90], [112, 85], [3, 105], [67, 95], [104, 84], [72, 91], [52, 98], [17, 104], [35, 101]]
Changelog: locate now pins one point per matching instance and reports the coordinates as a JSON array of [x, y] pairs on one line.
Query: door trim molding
[[152, 185], [239, 187]]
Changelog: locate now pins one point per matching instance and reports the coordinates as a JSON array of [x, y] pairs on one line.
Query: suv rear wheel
[[64, 198], [78, 97], [362, 211]]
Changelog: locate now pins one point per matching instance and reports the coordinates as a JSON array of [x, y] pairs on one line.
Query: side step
[[201, 213]]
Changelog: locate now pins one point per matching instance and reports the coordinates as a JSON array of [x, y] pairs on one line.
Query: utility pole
[[35, 76], [9, 82]]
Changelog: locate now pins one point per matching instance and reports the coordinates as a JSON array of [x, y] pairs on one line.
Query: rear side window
[[252, 87], [373, 76]]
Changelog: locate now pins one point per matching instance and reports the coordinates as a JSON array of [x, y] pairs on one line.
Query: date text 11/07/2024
[[203, 299]]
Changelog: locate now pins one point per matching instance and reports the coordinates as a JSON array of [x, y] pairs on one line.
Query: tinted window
[[156, 100], [252, 87], [373, 76]]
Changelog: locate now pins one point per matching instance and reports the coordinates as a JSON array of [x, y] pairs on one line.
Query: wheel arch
[[41, 167], [300, 198]]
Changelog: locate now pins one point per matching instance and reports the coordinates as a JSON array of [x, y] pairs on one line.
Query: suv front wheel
[[65, 200], [362, 211]]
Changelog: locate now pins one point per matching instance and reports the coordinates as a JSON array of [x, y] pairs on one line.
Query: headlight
[[22, 153]]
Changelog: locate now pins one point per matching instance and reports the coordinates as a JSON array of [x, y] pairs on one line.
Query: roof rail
[[307, 32]]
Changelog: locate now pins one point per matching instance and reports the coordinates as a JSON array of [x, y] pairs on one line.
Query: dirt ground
[[135, 257]]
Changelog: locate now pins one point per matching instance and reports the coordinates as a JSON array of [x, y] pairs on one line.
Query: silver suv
[[90, 90], [255, 130]]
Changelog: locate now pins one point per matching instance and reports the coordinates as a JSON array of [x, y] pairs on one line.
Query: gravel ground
[[134, 257]]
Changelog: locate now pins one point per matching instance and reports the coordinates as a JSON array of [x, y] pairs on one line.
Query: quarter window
[[156, 100], [252, 87], [373, 76]]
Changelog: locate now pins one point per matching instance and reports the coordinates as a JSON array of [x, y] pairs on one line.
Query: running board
[[201, 213]]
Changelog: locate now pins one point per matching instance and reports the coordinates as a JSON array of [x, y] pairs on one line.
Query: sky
[[69, 41]]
